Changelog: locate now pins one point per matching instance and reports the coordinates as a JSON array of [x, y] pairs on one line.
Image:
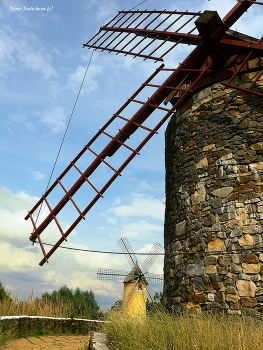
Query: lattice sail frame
[[220, 55], [140, 272]]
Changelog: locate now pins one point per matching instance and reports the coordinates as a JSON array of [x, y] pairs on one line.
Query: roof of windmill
[[135, 275]]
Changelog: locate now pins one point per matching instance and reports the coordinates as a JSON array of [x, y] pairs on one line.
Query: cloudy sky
[[42, 67]]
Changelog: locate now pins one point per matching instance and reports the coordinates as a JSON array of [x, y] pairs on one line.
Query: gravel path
[[66, 342]]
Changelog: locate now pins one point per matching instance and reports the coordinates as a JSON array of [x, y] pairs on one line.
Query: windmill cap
[[135, 275]]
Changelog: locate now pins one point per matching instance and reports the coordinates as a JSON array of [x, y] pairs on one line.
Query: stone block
[[251, 229], [199, 298], [219, 297], [246, 288], [222, 192], [257, 146], [243, 276], [210, 297], [203, 163], [259, 291], [246, 241], [234, 268], [237, 259], [248, 302], [210, 260], [199, 284], [250, 312], [193, 270], [250, 268], [210, 269], [251, 259], [216, 245], [180, 228], [224, 260], [260, 298], [198, 197], [232, 298], [236, 233], [194, 307], [231, 290], [209, 220]]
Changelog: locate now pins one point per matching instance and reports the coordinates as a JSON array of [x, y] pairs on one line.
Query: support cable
[[69, 121], [178, 253], [65, 133]]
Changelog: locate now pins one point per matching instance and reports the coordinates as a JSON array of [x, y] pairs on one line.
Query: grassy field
[[34, 307], [12, 329], [164, 332]]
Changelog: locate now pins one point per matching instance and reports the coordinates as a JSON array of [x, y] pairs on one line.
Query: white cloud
[[23, 49], [75, 79], [38, 175], [19, 269], [54, 118], [106, 10], [140, 228], [140, 205], [20, 118]]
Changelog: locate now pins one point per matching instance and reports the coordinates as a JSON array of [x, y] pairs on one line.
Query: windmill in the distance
[[136, 281], [220, 55]]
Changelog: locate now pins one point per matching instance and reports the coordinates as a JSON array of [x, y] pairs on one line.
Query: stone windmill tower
[[214, 161], [135, 291]]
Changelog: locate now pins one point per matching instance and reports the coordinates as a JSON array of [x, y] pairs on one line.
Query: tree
[[83, 303], [3, 294]]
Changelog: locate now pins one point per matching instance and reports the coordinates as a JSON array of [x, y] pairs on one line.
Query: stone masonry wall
[[214, 202]]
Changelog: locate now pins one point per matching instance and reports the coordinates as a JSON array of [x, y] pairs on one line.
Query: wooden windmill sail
[[220, 56], [136, 281]]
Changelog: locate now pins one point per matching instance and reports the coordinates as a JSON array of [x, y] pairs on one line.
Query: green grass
[[10, 329], [202, 332], [34, 307]]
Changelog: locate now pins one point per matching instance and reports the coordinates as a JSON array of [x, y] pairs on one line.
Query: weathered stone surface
[[216, 245], [214, 206], [250, 229], [198, 197], [236, 259], [199, 298], [209, 220], [257, 146], [195, 270], [248, 302], [210, 269], [203, 163], [223, 192], [232, 298], [199, 284], [180, 228], [210, 260], [251, 268], [231, 290], [251, 259], [246, 288], [246, 241], [224, 260]]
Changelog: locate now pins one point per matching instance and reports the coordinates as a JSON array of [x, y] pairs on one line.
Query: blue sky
[[42, 66]]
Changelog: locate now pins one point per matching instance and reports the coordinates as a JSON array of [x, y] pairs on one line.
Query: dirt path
[[51, 342]]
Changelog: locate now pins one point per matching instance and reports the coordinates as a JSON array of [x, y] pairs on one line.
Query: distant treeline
[[83, 303], [65, 302]]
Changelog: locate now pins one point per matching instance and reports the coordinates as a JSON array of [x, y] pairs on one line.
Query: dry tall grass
[[34, 307], [164, 332]]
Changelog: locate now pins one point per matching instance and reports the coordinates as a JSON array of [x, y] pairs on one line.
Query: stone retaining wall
[[214, 202]]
